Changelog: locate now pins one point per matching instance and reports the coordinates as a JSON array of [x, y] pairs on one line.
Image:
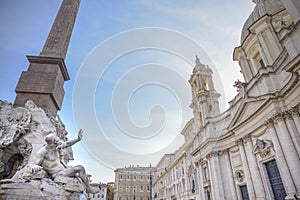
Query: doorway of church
[[275, 180]]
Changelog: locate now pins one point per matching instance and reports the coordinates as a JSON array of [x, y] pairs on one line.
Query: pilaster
[[288, 148], [216, 177], [201, 179], [230, 174], [293, 8], [296, 118], [293, 130], [249, 181], [255, 173], [281, 162]]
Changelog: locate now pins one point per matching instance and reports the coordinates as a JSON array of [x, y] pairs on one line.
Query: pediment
[[246, 109]]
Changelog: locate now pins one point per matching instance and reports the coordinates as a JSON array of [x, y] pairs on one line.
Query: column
[[216, 177], [200, 82], [281, 163], [293, 8], [264, 52], [210, 83], [246, 170], [288, 148], [230, 174], [200, 170], [255, 173], [296, 118], [293, 131], [199, 85]]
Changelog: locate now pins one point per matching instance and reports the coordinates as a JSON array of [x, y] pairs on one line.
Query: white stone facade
[[252, 150]]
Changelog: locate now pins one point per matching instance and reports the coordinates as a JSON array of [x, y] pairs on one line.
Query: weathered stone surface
[[31, 189], [70, 184], [22, 132]]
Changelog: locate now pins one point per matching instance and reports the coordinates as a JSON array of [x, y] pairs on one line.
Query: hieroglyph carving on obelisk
[[60, 33]]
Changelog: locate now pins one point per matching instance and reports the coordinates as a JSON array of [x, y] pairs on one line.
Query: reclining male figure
[[48, 159]]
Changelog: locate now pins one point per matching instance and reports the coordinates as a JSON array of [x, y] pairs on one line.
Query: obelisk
[[43, 82]]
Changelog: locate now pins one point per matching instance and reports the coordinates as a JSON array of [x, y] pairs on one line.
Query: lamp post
[[150, 183]]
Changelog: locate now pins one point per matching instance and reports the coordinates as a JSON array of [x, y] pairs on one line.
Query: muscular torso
[[51, 162]]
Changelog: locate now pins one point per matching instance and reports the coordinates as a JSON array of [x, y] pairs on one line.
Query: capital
[[247, 138], [269, 123], [295, 112], [203, 162], [213, 154], [239, 141], [278, 117]]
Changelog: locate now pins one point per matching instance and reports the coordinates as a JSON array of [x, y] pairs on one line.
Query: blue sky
[[214, 25]]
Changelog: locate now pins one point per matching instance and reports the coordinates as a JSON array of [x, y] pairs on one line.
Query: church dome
[[263, 7]]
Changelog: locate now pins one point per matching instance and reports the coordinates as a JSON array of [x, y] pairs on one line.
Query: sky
[[129, 63]]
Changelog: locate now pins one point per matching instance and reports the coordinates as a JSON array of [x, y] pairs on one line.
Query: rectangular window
[[206, 174], [142, 188], [128, 178], [244, 192], [148, 188], [121, 177], [141, 178], [134, 177], [127, 188], [120, 198]]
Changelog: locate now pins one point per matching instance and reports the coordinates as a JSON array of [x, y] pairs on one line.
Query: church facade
[[252, 150]]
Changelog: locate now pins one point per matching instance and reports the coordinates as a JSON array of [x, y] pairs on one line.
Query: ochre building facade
[[132, 183]]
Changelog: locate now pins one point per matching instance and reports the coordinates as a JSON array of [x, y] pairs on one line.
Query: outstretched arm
[[71, 142]]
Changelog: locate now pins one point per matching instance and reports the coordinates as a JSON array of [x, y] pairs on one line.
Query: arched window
[[255, 56], [193, 181], [205, 173]]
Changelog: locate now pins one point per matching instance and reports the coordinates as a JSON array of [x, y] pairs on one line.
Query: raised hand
[[80, 135]]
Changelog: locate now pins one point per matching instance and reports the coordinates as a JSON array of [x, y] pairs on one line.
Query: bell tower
[[205, 103], [43, 82]]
